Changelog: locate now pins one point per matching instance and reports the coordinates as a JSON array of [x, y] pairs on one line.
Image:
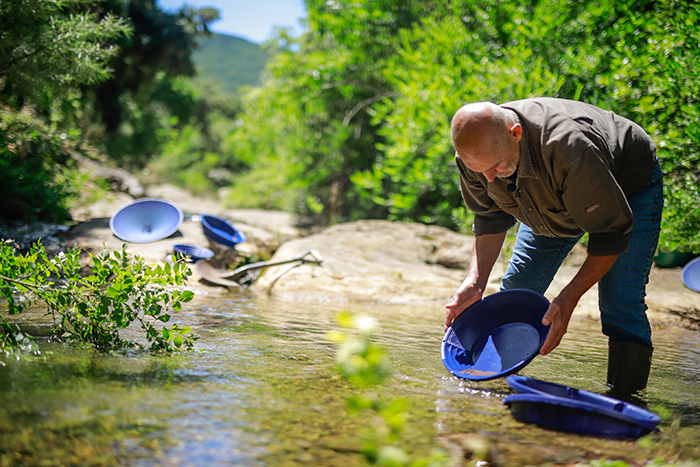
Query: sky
[[250, 19]]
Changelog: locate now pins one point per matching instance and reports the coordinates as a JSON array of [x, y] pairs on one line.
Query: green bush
[[38, 177], [119, 291]]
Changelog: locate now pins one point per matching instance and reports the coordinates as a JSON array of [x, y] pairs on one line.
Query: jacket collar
[[525, 167]]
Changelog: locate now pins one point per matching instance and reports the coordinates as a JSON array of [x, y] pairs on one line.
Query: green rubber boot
[[628, 365]]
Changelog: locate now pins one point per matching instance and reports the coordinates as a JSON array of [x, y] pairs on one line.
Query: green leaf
[[186, 296]]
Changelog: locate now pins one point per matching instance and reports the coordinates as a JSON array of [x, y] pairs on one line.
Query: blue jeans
[[621, 291]]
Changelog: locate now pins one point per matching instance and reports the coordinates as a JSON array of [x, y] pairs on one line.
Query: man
[[563, 169]]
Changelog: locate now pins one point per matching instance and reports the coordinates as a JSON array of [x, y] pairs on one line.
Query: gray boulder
[[372, 261]]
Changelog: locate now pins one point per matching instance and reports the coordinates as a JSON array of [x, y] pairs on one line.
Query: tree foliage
[[48, 51], [199, 154], [353, 118], [77, 76], [312, 118], [48, 47], [144, 99], [37, 176], [655, 79]]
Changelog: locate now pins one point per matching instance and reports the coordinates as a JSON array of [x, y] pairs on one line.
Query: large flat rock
[[414, 264], [372, 261]]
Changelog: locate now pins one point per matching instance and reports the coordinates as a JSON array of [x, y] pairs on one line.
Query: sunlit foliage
[[353, 118]]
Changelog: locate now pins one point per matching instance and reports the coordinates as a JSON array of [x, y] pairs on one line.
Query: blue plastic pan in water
[[577, 411], [496, 336], [146, 220], [194, 252], [221, 231], [691, 275]]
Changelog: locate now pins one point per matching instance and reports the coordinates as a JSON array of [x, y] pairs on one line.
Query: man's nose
[[490, 175]]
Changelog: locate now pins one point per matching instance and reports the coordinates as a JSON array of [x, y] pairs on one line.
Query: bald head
[[480, 120], [486, 138]]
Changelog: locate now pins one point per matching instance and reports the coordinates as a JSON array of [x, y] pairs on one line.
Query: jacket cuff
[[492, 223], [609, 243]]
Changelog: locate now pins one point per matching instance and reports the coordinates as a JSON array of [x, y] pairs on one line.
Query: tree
[[66, 66], [49, 47], [655, 65], [457, 54], [137, 104], [199, 153], [323, 88], [372, 87], [48, 50]]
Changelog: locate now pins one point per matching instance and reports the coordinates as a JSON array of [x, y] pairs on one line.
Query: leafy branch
[[119, 290]]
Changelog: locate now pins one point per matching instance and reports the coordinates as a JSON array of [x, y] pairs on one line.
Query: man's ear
[[516, 130]]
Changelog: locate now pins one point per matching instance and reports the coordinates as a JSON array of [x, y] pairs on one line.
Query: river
[[261, 389]]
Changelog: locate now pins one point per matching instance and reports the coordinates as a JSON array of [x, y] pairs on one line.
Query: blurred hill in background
[[230, 62]]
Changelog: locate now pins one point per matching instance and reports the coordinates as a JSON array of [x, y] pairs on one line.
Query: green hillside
[[230, 62]]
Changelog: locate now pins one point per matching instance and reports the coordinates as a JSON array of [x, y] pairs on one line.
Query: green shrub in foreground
[[120, 290]]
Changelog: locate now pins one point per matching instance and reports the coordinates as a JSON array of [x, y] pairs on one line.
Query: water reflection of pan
[[146, 220]]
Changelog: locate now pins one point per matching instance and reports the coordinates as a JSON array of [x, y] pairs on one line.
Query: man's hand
[[559, 312], [557, 318], [485, 252], [466, 294]]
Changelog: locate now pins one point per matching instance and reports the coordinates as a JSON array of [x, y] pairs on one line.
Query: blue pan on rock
[[194, 252], [691, 275], [146, 220], [221, 231], [496, 336]]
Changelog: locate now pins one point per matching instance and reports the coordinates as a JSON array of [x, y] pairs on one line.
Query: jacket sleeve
[[488, 217], [597, 204]]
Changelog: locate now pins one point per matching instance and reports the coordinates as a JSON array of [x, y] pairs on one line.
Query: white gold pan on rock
[[146, 220]]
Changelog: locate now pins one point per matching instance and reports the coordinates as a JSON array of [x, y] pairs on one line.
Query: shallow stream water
[[261, 389]]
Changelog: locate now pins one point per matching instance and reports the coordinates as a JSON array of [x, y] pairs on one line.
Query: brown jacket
[[578, 165]]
